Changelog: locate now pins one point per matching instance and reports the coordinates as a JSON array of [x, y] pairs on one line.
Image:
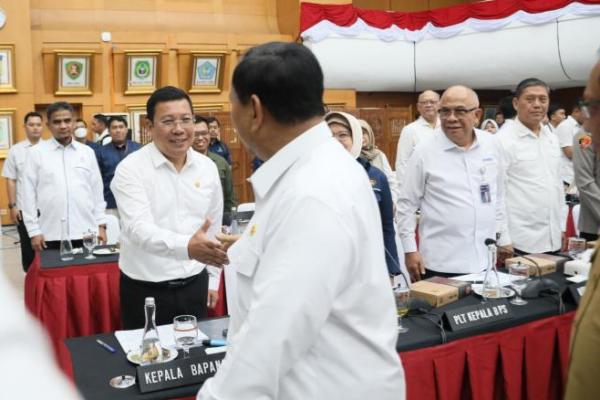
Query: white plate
[[506, 292], [105, 252], [169, 354]]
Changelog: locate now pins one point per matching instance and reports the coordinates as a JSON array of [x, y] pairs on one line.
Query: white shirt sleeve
[[411, 194], [9, 170], [564, 132], [97, 187], [501, 215], [391, 177], [136, 217], [216, 216], [29, 190], [296, 284], [405, 148]]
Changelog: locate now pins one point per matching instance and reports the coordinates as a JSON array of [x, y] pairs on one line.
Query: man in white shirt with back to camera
[[314, 317], [170, 201], [13, 171], [455, 178], [535, 202], [413, 133], [63, 182], [566, 131]]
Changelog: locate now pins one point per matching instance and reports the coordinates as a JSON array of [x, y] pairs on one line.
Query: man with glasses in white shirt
[[413, 133], [170, 201], [535, 202], [13, 171], [455, 178], [63, 182]]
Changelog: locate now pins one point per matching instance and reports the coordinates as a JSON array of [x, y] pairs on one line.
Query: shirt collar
[[573, 120], [265, 177], [523, 131], [448, 144], [56, 145], [423, 121], [159, 159]]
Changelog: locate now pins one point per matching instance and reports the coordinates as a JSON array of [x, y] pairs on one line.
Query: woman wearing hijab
[[489, 125], [347, 130], [376, 157]]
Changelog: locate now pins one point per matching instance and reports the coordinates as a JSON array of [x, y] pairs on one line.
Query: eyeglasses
[[428, 102], [587, 106], [458, 112], [171, 122]]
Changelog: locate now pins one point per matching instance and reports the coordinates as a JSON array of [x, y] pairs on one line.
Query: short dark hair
[[31, 114], [59, 105], [506, 107], [286, 77], [163, 95], [118, 118], [81, 120], [576, 105], [210, 120], [102, 119], [199, 118], [529, 82], [554, 107]]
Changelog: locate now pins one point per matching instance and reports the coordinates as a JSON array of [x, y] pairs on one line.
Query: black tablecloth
[[93, 366], [50, 258], [423, 333]]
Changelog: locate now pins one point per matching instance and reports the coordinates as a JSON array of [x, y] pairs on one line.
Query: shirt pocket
[[244, 257]]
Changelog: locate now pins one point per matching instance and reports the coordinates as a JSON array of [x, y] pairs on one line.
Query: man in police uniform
[[586, 164], [584, 368]]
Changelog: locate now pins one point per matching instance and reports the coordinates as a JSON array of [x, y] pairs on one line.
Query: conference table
[[79, 297], [522, 358]]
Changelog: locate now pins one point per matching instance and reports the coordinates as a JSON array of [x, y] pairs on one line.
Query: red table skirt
[[526, 362]]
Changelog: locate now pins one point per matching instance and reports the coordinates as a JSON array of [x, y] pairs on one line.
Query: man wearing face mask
[[80, 134], [13, 171], [111, 154]]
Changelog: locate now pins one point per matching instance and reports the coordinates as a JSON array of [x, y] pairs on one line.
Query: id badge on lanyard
[[484, 188]]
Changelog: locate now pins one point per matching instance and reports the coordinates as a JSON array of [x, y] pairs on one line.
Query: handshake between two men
[[208, 251]]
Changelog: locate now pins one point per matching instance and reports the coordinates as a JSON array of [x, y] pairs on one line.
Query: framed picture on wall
[[142, 71], [7, 68], [137, 117], [207, 71], [7, 123], [73, 73]]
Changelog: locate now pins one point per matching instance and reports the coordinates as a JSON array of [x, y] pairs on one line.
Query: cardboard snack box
[[436, 294], [464, 288], [546, 266]]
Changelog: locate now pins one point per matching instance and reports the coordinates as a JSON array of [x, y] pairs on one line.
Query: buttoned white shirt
[[104, 138], [410, 136], [445, 182], [535, 202], [62, 182], [566, 131], [14, 165], [161, 209], [315, 316]]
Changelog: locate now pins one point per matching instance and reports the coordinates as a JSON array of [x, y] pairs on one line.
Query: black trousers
[[590, 237], [178, 297], [430, 274], [27, 253]]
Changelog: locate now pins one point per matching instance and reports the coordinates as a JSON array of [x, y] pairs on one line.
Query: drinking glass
[[90, 240], [520, 276], [402, 296], [575, 247], [185, 330]]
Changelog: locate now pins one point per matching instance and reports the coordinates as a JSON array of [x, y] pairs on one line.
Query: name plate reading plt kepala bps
[[477, 315], [181, 372]]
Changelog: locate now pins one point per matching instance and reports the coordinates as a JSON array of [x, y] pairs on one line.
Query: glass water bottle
[[151, 351], [66, 248]]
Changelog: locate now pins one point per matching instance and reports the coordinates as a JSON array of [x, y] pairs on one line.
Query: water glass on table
[[402, 297], [519, 278], [90, 240], [185, 330]]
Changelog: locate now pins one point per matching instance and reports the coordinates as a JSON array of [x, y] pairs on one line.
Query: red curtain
[[346, 14]]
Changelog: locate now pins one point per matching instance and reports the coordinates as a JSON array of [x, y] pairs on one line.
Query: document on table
[[131, 340], [505, 279]]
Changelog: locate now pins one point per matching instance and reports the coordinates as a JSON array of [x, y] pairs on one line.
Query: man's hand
[[38, 243], [564, 242], [213, 297], [227, 240], [504, 252], [207, 251], [415, 265], [101, 235], [15, 216]]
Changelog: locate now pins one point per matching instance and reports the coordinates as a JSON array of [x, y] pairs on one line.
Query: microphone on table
[[536, 287]]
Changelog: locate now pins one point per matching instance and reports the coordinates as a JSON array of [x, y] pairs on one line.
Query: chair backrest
[[245, 207], [113, 230]]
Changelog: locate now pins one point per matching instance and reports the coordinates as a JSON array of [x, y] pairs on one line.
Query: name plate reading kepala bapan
[[181, 372], [476, 315]]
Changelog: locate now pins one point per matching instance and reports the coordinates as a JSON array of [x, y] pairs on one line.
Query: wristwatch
[[12, 205]]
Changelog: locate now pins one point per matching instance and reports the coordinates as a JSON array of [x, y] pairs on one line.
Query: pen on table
[[214, 342], [106, 346]]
